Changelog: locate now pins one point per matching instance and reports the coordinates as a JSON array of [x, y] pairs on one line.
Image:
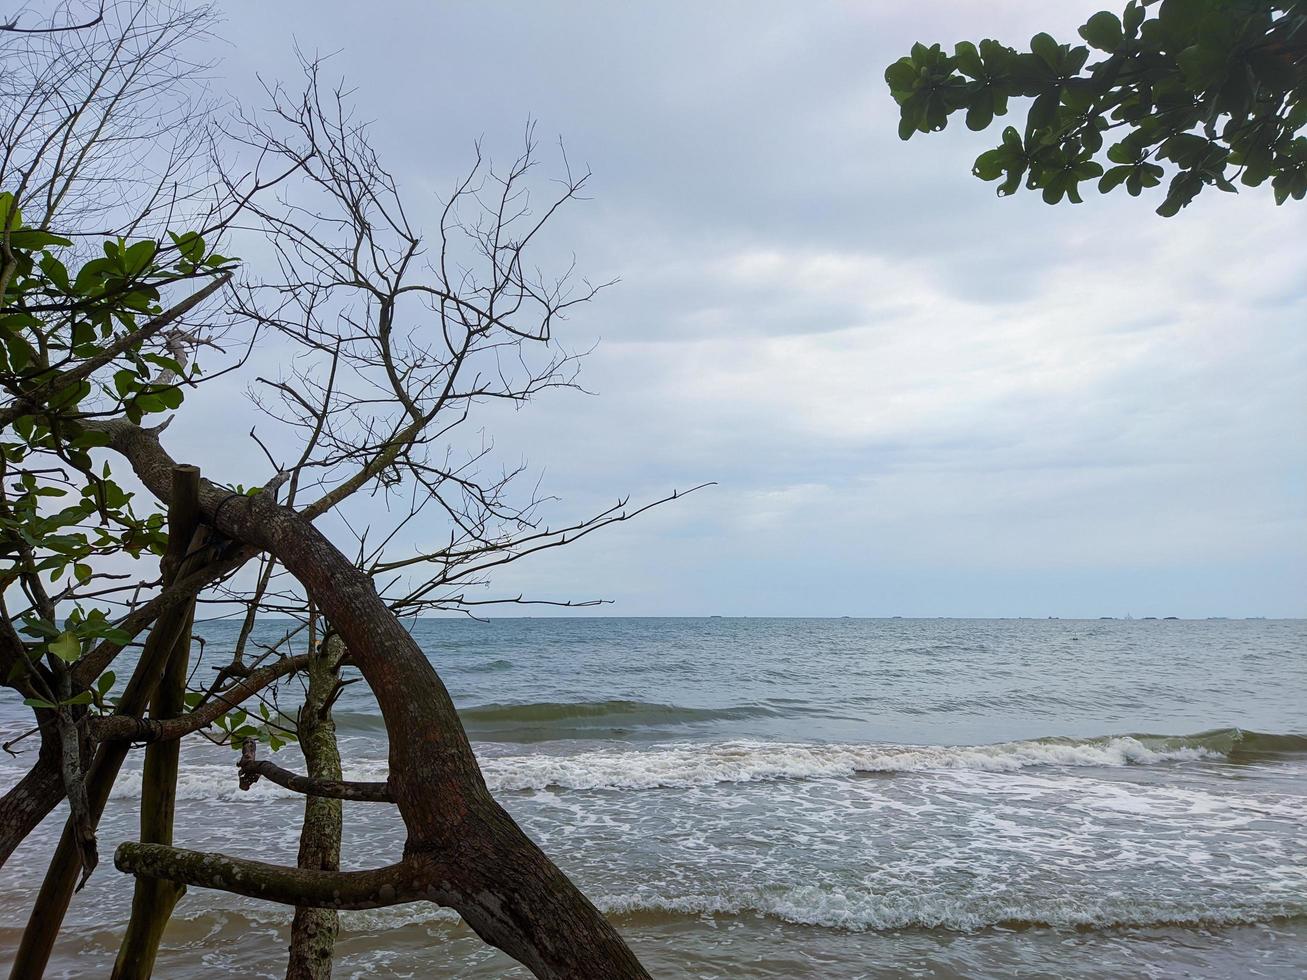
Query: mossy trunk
[[313, 932]]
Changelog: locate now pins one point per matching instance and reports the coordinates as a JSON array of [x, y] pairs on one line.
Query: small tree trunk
[[33, 797], [153, 901], [313, 932]]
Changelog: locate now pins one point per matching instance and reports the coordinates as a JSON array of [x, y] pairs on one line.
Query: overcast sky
[[915, 398]]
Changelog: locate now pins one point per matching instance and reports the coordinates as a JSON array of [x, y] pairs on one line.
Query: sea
[[824, 798]]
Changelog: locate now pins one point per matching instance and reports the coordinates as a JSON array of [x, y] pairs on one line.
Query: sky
[[914, 398]]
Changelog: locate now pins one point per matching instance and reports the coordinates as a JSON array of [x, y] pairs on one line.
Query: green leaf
[[1103, 31], [38, 703], [55, 271], [989, 165], [1122, 153], [1114, 178], [1204, 65], [1042, 112], [968, 59], [981, 112], [1134, 16], [1181, 18], [190, 245], [170, 397], [10, 217], [30, 240], [137, 257], [1048, 49], [66, 647], [39, 627]]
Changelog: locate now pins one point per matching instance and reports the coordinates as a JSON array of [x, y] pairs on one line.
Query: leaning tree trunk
[[463, 850], [33, 797], [313, 932]]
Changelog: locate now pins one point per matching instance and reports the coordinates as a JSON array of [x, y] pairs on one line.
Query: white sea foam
[[867, 911], [692, 764], [686, 765], [861, 911], [858, 910]]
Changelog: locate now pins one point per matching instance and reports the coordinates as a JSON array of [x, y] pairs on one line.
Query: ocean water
[[808, 798]]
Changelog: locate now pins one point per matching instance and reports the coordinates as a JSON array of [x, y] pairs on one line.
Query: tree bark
[[31, 799], [313, 931], [336, 789], [153, 900], [486, 868]]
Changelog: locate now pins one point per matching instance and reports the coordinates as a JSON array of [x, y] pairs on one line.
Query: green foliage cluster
[[1215, 91], [76, 345], [235, 727]]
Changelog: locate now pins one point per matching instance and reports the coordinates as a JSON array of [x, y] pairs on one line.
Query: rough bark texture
[[313, 931], [372, 889], [475, 859], [252, 769], [32, 798]]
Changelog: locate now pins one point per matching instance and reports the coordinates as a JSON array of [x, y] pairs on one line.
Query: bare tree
[[390, 343]]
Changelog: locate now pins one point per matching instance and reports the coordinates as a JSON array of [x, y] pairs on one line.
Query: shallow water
[[814, 798]]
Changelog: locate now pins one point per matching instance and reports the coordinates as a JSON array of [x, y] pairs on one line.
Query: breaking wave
[[688, 764], [691, 764], [857, 910]]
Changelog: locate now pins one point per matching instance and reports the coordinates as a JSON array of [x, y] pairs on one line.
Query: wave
[[618, 715], [858, 910], [487, 667], [541, 720], [689, 764], [358, 721], [1236, 743], [693, 764]]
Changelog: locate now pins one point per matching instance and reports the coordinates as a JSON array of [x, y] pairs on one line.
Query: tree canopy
[[1211, 92]]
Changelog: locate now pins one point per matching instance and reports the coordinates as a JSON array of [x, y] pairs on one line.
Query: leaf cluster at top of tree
[[1213, 91]]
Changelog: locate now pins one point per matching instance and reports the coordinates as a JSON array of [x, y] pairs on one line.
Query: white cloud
[[914, 394]]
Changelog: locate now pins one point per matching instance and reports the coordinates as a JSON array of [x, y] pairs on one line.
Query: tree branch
[[251, 769]]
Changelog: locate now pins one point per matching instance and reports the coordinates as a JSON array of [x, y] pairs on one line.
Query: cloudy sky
[[915, 398]]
